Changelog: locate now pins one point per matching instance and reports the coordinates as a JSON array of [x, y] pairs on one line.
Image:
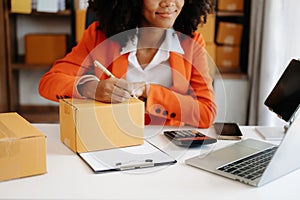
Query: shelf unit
[[15, 64], [3, 64], [233, 80], [242, 18]]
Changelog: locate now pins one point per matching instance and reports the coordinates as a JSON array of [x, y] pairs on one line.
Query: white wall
[[232, 94]]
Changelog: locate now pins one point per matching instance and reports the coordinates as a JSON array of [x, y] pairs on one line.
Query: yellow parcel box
[[88, 125], [22, 148], [231, 5]]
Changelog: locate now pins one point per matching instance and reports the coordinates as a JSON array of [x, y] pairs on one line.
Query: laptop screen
[[284, 99]]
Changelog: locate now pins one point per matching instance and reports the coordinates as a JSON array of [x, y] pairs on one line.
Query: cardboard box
[[228, 58], [229, 33], [211, 50], [44, 48], [231, 5], [87, 125], [208, 29], [18, 6], [22, 148]]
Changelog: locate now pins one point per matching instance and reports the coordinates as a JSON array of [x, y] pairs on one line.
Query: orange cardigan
[[189, 101]]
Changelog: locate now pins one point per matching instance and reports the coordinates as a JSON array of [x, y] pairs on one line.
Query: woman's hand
[[135, 89], [113, 90]]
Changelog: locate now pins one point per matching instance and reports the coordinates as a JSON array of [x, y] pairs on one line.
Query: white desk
[[69, 177]]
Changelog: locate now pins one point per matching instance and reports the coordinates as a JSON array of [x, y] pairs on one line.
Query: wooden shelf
[[230, 14], [19, 66], [238, 76], [44, 21], [36, 13], [40, 114]]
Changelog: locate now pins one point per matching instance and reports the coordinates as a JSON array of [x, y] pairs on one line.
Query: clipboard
[[127, 158]]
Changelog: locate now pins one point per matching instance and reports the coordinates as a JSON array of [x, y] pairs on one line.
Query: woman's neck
[[150, 37], [149, 41]]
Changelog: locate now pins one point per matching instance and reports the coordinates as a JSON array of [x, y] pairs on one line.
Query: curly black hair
[[116, 16]]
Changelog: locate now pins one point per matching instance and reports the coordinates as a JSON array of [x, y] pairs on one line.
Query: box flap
[[13, 126], [86, 103]]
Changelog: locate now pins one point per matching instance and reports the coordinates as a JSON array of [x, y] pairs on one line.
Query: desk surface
[[69, 177]]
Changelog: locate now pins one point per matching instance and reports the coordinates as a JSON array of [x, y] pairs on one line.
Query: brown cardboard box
[[211, 50], [228, 58], [229, 33], [87, 125], [231, 5], [22, 148], [208, 29], [44, 48]]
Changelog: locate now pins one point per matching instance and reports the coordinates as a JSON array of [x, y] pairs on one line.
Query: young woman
[[154, 53]]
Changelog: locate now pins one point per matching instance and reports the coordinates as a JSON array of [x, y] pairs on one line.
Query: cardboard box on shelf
[[22, 148], [231, 5], [208, 29], [17, 6], [229, 33], [88, 125], [228, 58], [44, 48]]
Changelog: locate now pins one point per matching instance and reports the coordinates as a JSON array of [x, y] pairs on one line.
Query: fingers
[[125, 85], [136, 89], [119, 95], [108, 91], [114, 90]]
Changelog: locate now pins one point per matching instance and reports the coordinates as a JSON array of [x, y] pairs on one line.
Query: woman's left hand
[[136, 89]]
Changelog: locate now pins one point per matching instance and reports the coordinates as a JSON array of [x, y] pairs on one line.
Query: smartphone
[[228, 131], [189, 138]]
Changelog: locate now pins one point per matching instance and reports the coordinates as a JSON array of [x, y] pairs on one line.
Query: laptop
[[256, 162]]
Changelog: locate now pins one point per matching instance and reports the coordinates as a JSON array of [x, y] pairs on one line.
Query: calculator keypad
[[187, 133], [188, 137]]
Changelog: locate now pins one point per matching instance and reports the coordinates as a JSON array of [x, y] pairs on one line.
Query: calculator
[[189, 138]]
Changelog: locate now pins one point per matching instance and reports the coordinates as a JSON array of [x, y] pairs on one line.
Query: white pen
[[100, 66]]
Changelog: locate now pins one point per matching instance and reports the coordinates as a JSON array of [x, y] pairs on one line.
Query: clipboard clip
[[135, 165]]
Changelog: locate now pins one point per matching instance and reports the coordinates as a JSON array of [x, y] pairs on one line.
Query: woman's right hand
[[105, 90], [113, 90]]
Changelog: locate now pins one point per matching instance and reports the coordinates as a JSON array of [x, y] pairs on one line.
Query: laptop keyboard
[[250, 167]]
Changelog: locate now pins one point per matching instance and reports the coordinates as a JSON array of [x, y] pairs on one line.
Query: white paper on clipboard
[[127, 158]]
